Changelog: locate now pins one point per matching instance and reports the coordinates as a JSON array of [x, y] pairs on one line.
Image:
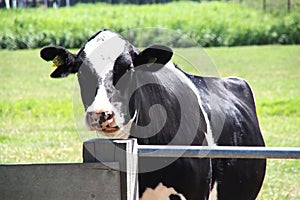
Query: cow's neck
[[166, 108]]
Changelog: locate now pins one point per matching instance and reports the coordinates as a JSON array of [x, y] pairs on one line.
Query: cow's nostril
[[102, 118], [110, 115], [105, 116]]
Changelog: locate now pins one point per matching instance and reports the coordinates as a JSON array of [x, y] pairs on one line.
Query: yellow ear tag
[[57, 61], [152, 59]]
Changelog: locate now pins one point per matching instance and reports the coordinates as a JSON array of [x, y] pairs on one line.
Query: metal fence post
[[122, 151]]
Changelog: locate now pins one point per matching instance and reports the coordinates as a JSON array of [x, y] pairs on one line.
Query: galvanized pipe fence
[[219, 152]]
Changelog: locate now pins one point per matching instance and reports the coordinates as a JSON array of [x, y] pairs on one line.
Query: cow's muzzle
[[103, 121]]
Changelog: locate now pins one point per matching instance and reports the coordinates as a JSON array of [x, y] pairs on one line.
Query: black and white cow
[[142, 94]]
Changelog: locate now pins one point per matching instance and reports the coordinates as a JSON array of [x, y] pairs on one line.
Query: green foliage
[[276, 7], [208, 23]]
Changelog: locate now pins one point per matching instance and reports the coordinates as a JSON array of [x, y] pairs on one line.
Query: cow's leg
[[238, 178]]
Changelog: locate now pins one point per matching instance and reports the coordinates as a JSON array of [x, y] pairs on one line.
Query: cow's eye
[[121, 66], [131, 68]]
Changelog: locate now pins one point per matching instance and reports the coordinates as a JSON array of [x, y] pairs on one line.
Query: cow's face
[[100, 64]]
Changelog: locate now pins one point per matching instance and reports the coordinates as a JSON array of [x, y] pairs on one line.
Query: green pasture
[[37, 122]]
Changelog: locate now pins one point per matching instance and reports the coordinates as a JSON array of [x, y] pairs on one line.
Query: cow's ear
[[65, 61], [153, 57]]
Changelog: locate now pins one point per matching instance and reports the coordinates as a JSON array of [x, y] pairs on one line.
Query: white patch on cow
[[182, 76], [103, 50], [161, 192], [99, 39], [213, 195]]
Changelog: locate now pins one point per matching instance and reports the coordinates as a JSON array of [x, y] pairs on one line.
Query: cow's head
[[100, 64]]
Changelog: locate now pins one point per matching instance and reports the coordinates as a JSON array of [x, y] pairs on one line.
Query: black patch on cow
[[124, 62], [121, 66], [89, 82], [174, 197], [162, 92]]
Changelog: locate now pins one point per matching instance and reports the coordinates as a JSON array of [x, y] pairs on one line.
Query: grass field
[[37, 121], [209, 23]]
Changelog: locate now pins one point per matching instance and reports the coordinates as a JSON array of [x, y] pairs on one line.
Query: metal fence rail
[[218, 152]]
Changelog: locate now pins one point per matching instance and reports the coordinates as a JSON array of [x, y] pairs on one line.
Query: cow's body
[[230, 101], [128, 93]]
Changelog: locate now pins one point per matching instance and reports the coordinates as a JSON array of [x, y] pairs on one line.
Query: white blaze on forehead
[[103, 50], [102, 99]]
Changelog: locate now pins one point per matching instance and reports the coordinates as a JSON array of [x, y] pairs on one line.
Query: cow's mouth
[[102, 122], [99, 120], [110, 130]]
